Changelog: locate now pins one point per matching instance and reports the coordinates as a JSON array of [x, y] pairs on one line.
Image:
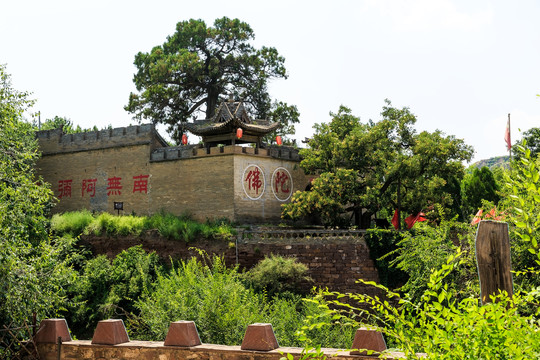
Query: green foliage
[[277, 275], [199, 65], [382, 245], [214, 297], [523, 186], [443, 327], [106, 288], [426, 249], [361, 167], [106, 223], [63, 123], [532, 140], [478, 185], [33, 274], [71, 223], [169, 226]]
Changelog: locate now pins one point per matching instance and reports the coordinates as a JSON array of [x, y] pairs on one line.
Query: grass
[[170, 226]]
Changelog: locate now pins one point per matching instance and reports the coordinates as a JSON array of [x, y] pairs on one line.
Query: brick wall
[[335, 261], [134, 166]]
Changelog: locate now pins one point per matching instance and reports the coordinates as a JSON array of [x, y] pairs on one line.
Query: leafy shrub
[[382, 244], [169, 226], [213, 297], [106, 223], [426, 249], [72, 223], [103, 287], [276, 275], [443, 327]]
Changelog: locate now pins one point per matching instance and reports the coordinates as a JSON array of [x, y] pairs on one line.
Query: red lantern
[[278, 140], [239, 133], [184, 139]]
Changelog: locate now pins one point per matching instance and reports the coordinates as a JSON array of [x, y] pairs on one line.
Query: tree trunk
[[211, 103]]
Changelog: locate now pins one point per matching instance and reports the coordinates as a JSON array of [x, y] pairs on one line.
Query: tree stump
[[493, 259]]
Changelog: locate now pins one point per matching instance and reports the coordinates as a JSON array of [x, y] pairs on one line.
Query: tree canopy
[[478, 185], [362, 166], [32, 274], [199, 66]]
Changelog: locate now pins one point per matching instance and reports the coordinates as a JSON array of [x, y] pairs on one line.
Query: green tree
[[478, 185], [198, 66], [64, 123], [363, 167], [532, 139], [32, 270]]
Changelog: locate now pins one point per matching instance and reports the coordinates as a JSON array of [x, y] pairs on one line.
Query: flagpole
[[509, 139]]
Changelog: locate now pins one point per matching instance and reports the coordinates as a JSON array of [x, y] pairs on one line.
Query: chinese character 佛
[[254, 181]]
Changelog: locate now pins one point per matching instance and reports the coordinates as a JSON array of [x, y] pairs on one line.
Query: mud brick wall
[[335, 261], [134, 165]]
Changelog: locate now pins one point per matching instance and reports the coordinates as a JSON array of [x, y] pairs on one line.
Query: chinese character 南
[[281, 183], [254, 181], [113, 186], [64, 188], [140, 184], [89, 187]]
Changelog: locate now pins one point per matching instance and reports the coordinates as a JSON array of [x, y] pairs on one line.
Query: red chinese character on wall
[[281, 182], [253, 179], [113, 186], [64, 188], [140, 184], [89, 187]]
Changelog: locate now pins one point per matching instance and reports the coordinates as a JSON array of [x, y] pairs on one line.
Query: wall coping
[[227, 351]]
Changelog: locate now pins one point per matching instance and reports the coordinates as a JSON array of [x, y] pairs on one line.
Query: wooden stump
[[493, 259]]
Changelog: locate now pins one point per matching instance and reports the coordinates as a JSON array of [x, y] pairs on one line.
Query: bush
[[426, 249], [277, 275], [106, 288], [213, 297], [72, 223], [382, 244], [443, 327]]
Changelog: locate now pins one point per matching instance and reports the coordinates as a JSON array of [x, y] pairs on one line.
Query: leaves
[[199, 66], [361, 166]]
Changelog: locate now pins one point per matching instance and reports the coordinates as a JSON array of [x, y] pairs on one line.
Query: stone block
[[182, 333], [110, 332], [51, 329], [259, 337], [369, 340]]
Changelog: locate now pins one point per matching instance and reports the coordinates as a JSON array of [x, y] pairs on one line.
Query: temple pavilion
[[231, 125]]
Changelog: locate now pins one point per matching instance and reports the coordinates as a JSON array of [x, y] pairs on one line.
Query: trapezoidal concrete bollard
[[110, 332], [51, 329], [182, 333], [259, 337], [369, 340]]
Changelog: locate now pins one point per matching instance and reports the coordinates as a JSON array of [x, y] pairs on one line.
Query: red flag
[[412, 219], [507, 135], [395, 220]]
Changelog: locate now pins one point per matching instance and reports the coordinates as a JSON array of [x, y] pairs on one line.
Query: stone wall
[[134, 166], [335, 259]]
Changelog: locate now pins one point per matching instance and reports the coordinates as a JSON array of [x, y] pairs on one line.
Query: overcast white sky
[[460, 66]]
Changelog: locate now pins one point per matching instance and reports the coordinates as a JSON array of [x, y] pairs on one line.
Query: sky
[[460, 66]]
